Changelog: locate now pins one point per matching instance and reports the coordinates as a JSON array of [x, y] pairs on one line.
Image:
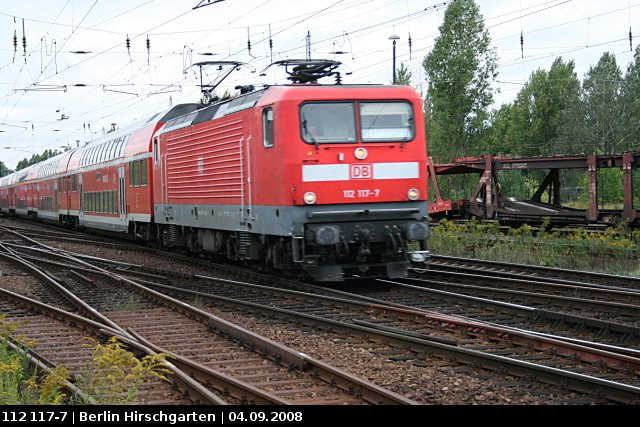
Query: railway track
[[620, 297], [425, 333], [60, 338], [604, 307], [247, 367], [582, 367], [547, 274], [480, 309], [577, 361], [550, 297]]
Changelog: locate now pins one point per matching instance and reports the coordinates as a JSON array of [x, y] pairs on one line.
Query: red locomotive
[[324, 179]]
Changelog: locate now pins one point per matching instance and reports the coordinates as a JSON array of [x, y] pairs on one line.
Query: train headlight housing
[[361, 153], [309, 197], [327, 235], [417, 231], [413, 194], [419, 256]]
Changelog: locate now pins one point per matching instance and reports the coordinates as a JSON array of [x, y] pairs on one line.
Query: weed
[[131, 303], [199, 302], [114, 375], [614, 251]]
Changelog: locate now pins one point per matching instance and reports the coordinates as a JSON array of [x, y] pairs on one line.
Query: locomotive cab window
[[267, 127], [335, 122], [386, 121], [328, 122]]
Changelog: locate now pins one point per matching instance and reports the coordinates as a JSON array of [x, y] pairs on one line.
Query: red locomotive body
[[330, 180]]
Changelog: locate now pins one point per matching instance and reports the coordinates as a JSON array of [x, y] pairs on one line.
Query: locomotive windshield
[[335, 122], [328, 122]]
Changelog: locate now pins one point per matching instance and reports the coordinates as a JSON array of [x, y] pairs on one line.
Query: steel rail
[[179, 378], [616, 308], [329, 374], [623, 393], [549, 273]]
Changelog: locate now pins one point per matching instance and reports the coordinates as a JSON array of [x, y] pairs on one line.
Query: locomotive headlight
[[309, 197], [413, 194], [360, 153]]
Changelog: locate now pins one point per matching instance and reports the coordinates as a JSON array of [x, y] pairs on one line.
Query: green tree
[[37, 158], [499, 139], [403, 75], [630, 98], [459, 69], [539, 108], [597, 122], [4, 170], [22, 164]]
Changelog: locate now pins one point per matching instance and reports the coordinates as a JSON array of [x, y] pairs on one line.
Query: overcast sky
[[77, 75]]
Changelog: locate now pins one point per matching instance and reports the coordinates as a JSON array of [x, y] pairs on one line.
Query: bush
[[115, 374]]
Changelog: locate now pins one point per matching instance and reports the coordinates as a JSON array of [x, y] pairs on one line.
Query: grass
[[614, 251], [131, 303]]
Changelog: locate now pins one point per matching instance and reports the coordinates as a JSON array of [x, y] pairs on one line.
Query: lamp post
[[394, 37]]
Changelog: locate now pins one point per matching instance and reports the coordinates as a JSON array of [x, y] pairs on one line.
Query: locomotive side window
[[156, 154], [267, 127], [386, 121], [328, 122]]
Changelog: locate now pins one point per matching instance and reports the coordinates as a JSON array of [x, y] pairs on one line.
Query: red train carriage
[[46, 190], [104, 185], [107, 182], [22, 192], [326, 179], [68, 195], [7, 195]]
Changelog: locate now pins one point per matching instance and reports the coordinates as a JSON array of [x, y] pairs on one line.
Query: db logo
[[361, 171]]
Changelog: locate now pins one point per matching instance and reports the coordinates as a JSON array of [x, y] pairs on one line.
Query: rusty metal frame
[[488, 201]]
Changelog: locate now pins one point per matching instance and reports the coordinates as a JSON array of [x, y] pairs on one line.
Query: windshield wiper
[[306, 132]]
